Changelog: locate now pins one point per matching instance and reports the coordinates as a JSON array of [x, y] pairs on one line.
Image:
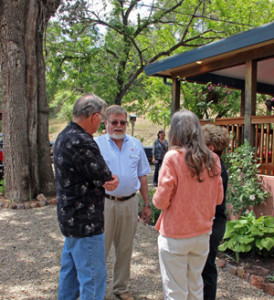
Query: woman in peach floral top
[[190, 187]]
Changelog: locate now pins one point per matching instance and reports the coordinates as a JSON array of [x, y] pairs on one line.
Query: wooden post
[[242, 103], [175, 99], [250, 100]]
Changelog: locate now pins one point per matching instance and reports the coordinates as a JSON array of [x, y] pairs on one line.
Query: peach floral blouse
[[188, 206]]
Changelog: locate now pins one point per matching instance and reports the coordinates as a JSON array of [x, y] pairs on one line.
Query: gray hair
[[115, 110], [185, 131], [88, 105]]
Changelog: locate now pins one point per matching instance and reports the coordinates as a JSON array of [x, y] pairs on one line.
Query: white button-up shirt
[[128, 164]]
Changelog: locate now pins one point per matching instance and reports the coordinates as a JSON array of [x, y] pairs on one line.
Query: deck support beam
[[250, 100], [175, 100], [242, 113]]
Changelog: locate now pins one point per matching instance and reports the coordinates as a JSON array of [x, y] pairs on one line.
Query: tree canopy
[[104, 48]]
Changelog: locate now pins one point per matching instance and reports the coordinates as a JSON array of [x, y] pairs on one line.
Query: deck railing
[[264, 139]]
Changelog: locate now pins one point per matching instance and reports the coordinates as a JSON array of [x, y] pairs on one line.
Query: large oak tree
[[28, 169], [104, 45], [132, 35]]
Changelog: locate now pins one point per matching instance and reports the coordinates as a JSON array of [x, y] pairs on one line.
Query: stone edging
[[254, 280], [40, 201]]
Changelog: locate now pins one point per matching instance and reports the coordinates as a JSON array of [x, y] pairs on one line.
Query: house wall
[[267, 207]]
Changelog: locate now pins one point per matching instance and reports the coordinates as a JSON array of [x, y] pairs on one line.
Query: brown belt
[[119, 198]]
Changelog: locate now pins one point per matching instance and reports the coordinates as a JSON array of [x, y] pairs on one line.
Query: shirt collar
[[125, 138], [73, 124]]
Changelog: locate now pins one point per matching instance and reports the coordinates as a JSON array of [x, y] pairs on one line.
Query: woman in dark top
[[159, 150], [217, 139]]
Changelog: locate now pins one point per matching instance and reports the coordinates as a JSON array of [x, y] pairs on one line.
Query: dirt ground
[[30, 252]]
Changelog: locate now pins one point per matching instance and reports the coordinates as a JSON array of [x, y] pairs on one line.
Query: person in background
[[190, 187], [217, 139], [125, 157], [159, 150], [81, 175]]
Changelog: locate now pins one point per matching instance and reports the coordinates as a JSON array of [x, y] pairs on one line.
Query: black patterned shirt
[[80, 172]]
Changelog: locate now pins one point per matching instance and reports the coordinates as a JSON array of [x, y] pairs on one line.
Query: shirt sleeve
[[220, 189], [167, 183], [154, 147]]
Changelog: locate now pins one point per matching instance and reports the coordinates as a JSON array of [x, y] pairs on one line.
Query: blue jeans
[[83, 269]]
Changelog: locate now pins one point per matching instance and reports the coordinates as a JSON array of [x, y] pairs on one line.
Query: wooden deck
[[264, 140]]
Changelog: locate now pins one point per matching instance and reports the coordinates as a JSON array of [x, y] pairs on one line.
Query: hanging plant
[[269, 103], [217, 101]]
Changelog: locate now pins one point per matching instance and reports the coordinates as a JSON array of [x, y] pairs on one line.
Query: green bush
[[244, 189], [155, 212], [249, 234]]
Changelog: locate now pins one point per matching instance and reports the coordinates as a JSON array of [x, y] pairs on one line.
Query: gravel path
[[30, 250]]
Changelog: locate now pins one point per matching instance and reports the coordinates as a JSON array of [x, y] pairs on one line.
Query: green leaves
[[104, 48], [267, 243], [249, 234], [244, 186]]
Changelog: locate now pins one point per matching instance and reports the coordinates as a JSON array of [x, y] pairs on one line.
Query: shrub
[[249, 234], [244, 189], [155, 212]]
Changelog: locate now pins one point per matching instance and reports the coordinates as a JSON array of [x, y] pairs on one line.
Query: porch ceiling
[[224, 61]]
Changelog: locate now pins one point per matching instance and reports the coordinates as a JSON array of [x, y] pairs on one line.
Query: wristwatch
[[147, 205]]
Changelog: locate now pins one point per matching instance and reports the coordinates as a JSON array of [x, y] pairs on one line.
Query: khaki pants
[[121, 218], [181, 263]]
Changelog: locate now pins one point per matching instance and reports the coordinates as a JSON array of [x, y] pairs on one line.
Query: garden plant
[[249, 234], [245, 189]]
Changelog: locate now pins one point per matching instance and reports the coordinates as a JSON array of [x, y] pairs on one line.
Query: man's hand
[[112, 184], [146, 214]]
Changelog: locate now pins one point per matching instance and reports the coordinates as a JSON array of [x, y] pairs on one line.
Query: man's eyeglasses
[[115, 122], [102, 116]]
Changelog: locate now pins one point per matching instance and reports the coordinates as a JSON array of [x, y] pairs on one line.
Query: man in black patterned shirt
[[81, 175]]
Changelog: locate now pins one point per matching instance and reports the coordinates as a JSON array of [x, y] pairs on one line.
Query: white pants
[[182, 262]]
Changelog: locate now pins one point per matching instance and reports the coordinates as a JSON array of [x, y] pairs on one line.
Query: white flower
[[252, 197]]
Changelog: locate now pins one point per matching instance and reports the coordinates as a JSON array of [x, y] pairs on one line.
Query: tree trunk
[[46, 178], [27, 159]]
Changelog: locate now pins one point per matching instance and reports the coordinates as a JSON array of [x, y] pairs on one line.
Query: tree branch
[[154, 21]]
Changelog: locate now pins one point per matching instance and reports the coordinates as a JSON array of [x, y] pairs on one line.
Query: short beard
[[116, 136]]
